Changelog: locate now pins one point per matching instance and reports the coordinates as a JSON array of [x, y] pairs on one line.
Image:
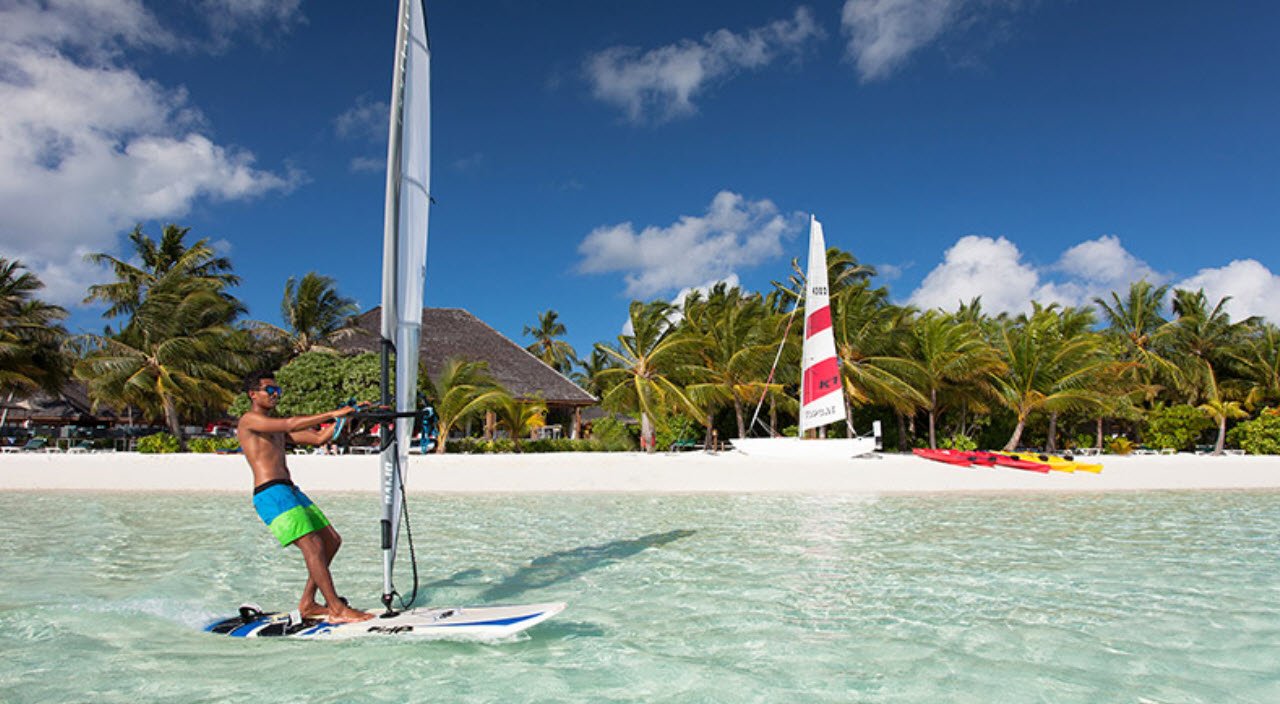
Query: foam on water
[[1136, 597]]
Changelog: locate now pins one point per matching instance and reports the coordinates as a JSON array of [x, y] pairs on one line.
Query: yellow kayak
[[1057, 463], [1059, 466]]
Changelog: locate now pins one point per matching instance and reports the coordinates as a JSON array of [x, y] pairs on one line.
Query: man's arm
[[265, 424], [315, 437]]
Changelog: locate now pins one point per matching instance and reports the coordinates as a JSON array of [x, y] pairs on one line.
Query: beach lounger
[[35, 445]]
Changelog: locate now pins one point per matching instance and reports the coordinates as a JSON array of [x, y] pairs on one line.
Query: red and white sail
[[821, 395]]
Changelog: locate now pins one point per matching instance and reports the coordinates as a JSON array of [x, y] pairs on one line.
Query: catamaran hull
[[459, 623], [798, 449]]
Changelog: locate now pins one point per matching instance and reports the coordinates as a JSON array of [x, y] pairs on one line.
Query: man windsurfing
[[292, 517]]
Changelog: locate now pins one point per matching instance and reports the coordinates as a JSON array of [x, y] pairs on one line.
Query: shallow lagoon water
[[1155, 597]]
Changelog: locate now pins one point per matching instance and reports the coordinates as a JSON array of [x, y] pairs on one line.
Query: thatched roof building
[[453, 332], [70, 406]]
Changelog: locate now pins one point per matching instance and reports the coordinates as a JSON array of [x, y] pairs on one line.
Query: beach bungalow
[[455, 333], [64, 416]]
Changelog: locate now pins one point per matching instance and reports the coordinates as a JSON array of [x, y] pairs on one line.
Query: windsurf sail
[[821, 395], [404, 260]]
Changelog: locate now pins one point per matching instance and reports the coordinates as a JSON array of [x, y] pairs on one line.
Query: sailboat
[[821, 390], [404, 265]]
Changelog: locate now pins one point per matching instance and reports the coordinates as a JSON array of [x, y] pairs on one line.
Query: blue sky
[[588, 153]]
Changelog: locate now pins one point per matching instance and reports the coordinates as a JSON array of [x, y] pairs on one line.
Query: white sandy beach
[[694, 472]]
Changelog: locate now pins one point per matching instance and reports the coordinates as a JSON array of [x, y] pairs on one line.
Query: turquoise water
[[1165, 597]]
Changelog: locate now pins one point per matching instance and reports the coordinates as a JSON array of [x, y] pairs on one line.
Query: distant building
[[449, 333]]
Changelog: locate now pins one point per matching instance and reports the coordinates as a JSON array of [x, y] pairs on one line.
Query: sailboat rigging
[[821, 389], [403, 279]]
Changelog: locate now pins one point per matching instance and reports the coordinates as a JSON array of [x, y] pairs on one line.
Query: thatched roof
[[453, 332], [70, 405]]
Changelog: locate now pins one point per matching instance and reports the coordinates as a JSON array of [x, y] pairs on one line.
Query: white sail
[[821, 395], [404, 257]]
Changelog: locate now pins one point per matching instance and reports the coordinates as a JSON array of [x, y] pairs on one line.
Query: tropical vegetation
[[1148, 365]]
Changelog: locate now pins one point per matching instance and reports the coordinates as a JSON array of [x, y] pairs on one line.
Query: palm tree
[[1201, 340], [733, 345], [944, 353], [1258, 363], [178, 354], [30, 334], [648, 361], [167, 263], [870, 337], [557, 354], [587, 377], [843, 270], [314, 314], [1135, 322], [1220, 409], [520, 418], [1048, 365], [463, 390]]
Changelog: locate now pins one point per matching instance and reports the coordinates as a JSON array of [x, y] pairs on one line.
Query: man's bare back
[[292, 517]]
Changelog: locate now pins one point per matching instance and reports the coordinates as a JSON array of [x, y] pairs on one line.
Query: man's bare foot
[[346, 614], [312, 610]]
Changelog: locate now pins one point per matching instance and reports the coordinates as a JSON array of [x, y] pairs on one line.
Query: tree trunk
[[742, 423], [903, 443], [1051, 445], [4, 417], [1099, 435], [442, 435], [175, 427], [647, 438], [773, 419], [1017, 436], [1222, 436], [706, 438], [933, 416]]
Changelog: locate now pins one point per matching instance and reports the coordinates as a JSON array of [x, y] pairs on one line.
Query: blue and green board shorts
[[287, 511]]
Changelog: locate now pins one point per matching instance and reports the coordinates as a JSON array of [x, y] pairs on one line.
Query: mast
[[404, 259], [821, 395]]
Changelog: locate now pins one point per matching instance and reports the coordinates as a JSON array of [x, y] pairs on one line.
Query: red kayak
[[1017, 463], [956, 457]]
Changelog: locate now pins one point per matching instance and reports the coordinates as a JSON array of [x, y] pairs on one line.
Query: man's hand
[[344, 411]]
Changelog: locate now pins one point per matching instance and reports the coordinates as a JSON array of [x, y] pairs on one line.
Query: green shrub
[[159, 443], [1118, 445], [1081, 440], [1178, 427], [676, 429], [959, 441], [1260, 436], [211, 445], [615, 436]]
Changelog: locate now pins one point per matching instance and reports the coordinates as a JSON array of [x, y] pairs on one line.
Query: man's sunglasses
[[272, 390]]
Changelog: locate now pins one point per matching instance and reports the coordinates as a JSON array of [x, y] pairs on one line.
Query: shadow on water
[[556, 567]]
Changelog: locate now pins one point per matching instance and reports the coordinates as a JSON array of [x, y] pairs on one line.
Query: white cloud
[[1253, 288], [994, 269], [88, 147], [260, 19], [366, 119], [1106, 262], [734, 233], [100, 28], [367, 165], [979, 266], [883, 34], [660, 84]]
